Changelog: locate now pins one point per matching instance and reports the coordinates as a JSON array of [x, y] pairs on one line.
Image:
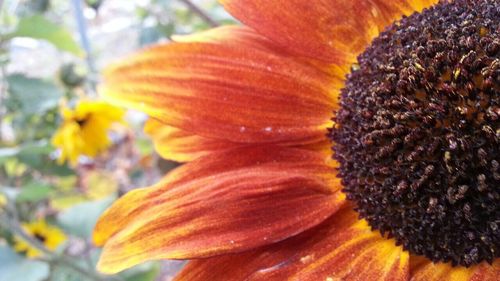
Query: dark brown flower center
[[417, 135], [82, 121], [40, 237]]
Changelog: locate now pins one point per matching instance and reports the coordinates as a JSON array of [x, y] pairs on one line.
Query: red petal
[[341, 248], [229, 90], [224, 203], [324, 29]]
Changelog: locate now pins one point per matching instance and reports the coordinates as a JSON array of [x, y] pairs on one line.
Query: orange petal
[[429, 271], [242, 35], [223, 203], [230, 35], [324, 29], [341, 248], [182, 146], [225, 90]]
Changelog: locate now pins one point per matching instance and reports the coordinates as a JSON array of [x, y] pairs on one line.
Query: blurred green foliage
[[38, 27]]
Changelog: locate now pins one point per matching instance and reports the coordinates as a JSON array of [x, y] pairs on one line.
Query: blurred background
[[64, 156]]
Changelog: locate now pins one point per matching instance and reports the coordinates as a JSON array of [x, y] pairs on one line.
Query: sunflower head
[[51, 237], [418, 132], [84, 130]]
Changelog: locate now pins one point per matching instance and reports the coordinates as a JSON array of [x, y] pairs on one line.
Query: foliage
[[39, 27], [15, 267]]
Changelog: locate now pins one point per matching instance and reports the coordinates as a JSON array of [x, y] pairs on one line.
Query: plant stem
[[85, 42], [204, 16]]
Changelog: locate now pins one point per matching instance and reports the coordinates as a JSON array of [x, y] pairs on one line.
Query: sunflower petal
[[222, 203], [231, 35], [226, 90], [429, 271], [334, 31], [341, 248], [182, 146]]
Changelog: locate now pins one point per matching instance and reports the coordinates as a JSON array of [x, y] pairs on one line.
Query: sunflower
[[84, 130], [51, 237], [405, 91]]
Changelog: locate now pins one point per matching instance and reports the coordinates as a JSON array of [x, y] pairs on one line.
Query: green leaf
[[34, 191], [13, 267], [37, 157], [52, 168], [39, 6], [32, 95], [39, 27], [150, 35], [33, 154], [60, 273], [80, 219]]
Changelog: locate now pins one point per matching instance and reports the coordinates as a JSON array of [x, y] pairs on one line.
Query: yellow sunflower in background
[[406, 92], [51, 237], [84, 130]]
